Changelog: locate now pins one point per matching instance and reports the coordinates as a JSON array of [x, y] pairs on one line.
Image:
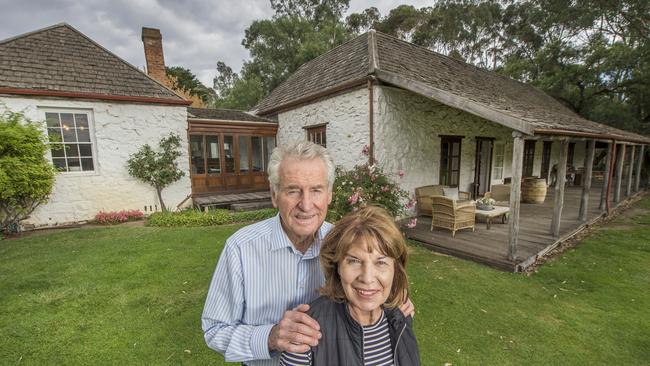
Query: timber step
[[249, 206], [227, 200]]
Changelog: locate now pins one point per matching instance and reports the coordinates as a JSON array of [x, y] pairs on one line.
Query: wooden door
[[482, 166]]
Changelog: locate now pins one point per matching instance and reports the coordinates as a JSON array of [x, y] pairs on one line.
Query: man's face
[[302, 199]]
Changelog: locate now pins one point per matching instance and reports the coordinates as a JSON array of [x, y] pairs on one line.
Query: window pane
[[67, 120], [258, 164], [269, 145], [59, 164], [196, 151], [87, 164], [455, 148], [81, 121], [69, 134], [71, 150], [228, 153], [55, 134], [454, 163], [85, 150], [83, 134], [243, 153], [52, 119], [74, 165], [214, 163], [57, 151]]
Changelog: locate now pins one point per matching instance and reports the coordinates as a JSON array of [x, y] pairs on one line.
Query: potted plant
[[485, 203]]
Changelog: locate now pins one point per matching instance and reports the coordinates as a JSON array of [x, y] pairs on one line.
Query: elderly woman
[[364, 260]]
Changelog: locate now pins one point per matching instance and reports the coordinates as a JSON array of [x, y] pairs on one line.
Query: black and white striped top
[[376, 348]]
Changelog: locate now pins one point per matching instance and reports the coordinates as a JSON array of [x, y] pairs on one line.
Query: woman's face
[[367, 279]]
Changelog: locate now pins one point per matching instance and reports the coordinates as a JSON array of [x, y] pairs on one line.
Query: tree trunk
[[162, 204]]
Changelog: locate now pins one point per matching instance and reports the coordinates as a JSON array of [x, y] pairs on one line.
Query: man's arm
[[224, 310]]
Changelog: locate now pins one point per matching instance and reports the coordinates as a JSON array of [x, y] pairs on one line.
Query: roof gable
[[62, 61]]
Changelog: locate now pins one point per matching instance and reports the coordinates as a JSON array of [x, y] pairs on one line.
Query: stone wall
[[407, 129], [346, 116], [407, 134], [117, 130]]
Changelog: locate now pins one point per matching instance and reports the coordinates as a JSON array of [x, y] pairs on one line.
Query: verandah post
[[515, 193]]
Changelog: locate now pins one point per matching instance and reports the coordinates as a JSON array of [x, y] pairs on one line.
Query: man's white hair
[[299, 150]]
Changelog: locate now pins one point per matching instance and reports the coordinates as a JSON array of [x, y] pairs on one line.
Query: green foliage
[[184, 79], [366, 184], [157, 168], [26, 176], [300, 31], [210, 218]]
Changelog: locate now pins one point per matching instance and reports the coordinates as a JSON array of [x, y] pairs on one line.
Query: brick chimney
[[153, 53]]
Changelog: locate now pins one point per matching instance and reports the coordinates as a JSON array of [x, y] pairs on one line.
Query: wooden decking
[[225, 200], [491, 246]]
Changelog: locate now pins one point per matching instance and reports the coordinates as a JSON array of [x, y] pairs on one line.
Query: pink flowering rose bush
[[367, 184], [116, 217]]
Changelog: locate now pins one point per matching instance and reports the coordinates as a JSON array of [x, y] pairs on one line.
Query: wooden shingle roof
[[61, 61], [489, 95], [224, 115]]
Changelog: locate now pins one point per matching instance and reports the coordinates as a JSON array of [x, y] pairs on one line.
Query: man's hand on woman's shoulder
[[295, 332]]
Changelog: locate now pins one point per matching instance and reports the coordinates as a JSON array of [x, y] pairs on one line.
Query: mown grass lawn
[[133, 295]]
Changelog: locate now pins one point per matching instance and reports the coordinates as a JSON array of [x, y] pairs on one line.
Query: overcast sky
[[196, 34]]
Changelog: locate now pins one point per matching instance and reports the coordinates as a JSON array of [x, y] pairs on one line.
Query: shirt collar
[[281, 240]]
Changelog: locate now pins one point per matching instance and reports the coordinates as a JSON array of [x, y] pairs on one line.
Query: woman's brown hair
[[370, 225]]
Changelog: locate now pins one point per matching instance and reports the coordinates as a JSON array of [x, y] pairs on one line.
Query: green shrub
[[210, 218], [26, 175], [363, 185]]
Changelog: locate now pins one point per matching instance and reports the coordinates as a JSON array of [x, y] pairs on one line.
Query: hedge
[[210, 218]]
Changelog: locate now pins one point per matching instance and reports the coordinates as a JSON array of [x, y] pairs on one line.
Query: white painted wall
[[346, 116], [117, 130], [407, 129]]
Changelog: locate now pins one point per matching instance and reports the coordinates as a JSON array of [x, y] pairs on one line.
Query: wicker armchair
[[451, 214], [423, 197], [500, 193]]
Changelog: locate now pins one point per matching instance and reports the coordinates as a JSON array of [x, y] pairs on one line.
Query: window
[[214, 154], [546, 159], [196, 150], [72, 148], [571, 153], [269, 145], [499, 153], [529, 157], [253, 154], [316, 134], [450, 160]]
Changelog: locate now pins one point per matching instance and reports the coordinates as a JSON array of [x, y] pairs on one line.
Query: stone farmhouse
[[441, 121]]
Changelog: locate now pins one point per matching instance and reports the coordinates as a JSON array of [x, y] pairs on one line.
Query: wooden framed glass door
[[229, 162], [546, 160], [450, 148], [482, 166], [529, 157]]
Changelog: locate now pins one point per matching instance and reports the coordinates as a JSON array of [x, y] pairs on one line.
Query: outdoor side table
[[488, 215]]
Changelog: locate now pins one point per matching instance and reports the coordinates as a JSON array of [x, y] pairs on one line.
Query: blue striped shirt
[[259, 276]]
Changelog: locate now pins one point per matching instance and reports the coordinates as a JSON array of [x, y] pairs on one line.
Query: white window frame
[[91, 131], [499, 151]]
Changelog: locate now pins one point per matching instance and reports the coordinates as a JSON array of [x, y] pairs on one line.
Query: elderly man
[[271, 267]]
